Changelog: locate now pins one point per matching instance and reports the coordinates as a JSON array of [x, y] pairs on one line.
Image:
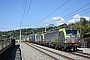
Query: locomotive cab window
[[71, 32]]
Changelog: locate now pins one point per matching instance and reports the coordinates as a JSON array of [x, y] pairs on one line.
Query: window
[[86, 35], [71, 31]]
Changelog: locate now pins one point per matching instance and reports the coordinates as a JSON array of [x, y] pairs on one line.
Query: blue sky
[[14, 11]]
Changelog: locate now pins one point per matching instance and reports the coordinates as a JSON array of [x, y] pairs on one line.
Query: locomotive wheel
[[72, 49], [62, 49], [67, 50], [56, 47]]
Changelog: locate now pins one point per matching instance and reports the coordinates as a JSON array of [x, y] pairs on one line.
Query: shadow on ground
[[15, 54]]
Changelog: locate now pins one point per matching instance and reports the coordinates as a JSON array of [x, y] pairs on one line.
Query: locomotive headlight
[[65, 40], [76, 44]]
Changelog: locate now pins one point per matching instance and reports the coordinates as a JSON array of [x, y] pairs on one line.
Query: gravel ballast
[[85, 50], [29, 53], [65, 53]]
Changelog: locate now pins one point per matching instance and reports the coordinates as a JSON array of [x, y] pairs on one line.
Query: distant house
[[85, 41], [4, 39]]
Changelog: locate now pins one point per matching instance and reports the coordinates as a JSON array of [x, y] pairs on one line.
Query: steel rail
[[56, 53]]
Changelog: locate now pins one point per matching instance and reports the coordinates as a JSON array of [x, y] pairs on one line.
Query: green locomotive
[[64, 39]]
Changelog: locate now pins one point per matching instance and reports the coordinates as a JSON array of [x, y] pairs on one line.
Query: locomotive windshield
[[71, 32]]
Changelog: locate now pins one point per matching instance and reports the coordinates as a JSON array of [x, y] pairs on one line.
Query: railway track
[[84, 53], [81, 54], [63, 54], [53, 55]]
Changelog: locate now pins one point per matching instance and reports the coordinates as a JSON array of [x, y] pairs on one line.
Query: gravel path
[[29, 53]]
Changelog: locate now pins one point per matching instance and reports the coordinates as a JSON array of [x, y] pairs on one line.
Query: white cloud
[[46, 21], [71, 21], [59, 23], [55, 20], [76, 18], [87, 18], [58, 20]]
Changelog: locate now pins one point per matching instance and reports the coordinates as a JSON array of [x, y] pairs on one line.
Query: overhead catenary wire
[[53, 11], [45, 8], [70, 6], [66, 16], [24, 9], [85, 12], [28, 10], [77, 10], [80, 12]]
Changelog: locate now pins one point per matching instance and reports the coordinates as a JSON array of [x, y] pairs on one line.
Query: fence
[[4, 43]]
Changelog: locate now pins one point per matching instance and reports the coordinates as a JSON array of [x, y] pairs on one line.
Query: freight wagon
[[32, 39], [37, 38]]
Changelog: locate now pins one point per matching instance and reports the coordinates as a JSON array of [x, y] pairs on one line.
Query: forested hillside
[[83, 26]]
